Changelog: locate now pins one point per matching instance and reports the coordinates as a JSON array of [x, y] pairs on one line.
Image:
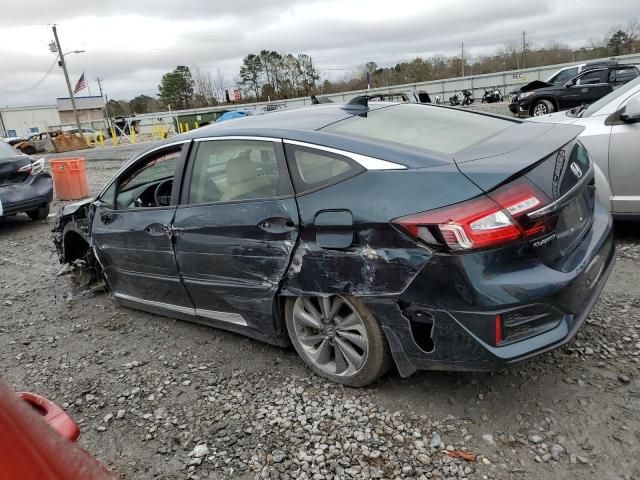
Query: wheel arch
[[75, 245]]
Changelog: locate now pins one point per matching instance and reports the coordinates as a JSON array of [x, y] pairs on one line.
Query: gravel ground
[[160, 398]]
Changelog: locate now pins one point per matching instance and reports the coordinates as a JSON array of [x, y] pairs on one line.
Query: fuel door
[[334, 228]]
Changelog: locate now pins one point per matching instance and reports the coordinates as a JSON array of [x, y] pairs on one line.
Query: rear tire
[[542, 107], [29, 151], [338, 338], [39, 213]]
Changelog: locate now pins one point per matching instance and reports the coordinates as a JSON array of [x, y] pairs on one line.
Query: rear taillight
[[483, 222], [33, 168]]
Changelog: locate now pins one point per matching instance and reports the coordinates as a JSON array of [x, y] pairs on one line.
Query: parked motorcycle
[[492, 95], [454, 101], [467, 97]]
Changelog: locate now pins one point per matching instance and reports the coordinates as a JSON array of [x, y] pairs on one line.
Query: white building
[[91, 112], [20, 121]]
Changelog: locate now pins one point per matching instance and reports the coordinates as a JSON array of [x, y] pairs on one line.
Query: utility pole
[[524, 49], [106, 104], [66, 77], [462, 59]]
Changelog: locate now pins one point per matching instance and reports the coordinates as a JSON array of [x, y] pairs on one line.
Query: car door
[[586, 88], [624, 165], [131, 232], [235, 230]]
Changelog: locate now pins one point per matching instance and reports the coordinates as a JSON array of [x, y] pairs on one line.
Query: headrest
[[241, 169]]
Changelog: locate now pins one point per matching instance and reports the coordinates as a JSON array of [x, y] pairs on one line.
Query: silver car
[[612, 137]]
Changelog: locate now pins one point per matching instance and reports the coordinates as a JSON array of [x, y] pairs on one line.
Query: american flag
[[81, 84]]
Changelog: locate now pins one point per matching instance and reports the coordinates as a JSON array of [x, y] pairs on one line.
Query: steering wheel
[[161, 197]]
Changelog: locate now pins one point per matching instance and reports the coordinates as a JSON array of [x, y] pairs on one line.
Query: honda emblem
[[577, 171]]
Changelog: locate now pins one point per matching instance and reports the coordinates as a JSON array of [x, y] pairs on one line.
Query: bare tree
[[219, 82], [203, 88]]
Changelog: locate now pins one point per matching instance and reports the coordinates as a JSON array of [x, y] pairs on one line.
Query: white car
[[567, 73], [612, 137]]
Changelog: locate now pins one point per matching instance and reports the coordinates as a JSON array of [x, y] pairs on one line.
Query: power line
[[35, 85]]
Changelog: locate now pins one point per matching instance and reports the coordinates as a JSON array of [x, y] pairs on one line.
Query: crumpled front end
[[71, 231]]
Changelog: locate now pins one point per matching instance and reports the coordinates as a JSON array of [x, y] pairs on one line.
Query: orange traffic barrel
[[69, 178]]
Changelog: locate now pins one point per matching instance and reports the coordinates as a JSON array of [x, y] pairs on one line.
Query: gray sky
[[131, 44]]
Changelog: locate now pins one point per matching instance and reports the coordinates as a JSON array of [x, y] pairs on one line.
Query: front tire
[[39, 213], [542, 107], [338, 338]]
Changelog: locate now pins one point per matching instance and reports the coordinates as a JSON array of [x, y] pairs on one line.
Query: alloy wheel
[[331, 333], [539, 110]]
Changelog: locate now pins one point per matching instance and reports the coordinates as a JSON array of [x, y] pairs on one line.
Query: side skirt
[[232, 322]]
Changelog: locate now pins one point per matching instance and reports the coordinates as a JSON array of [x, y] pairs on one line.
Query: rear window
[[313, 168], [622, 75], [437, 129]]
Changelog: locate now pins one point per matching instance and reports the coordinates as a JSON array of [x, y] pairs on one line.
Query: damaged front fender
[[71, 231]]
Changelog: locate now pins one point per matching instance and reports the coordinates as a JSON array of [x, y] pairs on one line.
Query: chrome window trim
[[369, 163], [238, 137]]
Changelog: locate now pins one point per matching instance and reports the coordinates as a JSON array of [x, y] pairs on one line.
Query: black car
[[24, 184], [363, 234], [540, 98]]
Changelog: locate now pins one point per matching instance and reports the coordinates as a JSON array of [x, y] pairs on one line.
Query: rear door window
[[622, 75]]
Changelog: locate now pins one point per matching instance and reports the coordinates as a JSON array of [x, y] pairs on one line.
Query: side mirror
[[631, 112]]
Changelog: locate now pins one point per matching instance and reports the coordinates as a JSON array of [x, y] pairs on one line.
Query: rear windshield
[[437, 129]]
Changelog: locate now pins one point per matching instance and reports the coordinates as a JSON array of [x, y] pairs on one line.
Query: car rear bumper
[[446, 319], [34, 192]]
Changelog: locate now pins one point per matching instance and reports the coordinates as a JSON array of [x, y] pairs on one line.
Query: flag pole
[[88, 84]]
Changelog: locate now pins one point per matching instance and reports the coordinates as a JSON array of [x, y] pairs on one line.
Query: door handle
[[277, 225], [157, 229]]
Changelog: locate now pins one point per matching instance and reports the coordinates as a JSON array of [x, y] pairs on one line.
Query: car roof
[[304, 125]]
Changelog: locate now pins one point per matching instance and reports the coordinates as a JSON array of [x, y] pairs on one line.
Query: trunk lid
[[10, 170], [548, 157]]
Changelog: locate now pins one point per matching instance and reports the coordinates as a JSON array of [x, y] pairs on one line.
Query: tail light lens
[[33, 168], [485, 221]]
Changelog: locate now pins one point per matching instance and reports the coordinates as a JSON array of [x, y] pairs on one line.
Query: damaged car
[[541, 98], [25, 185], [365, 234]]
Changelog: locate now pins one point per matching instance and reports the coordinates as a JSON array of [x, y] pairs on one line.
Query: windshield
[[7, 151], [594, 107], [440, 129]]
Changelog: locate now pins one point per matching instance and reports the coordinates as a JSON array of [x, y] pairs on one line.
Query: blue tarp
[[232, 115]]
